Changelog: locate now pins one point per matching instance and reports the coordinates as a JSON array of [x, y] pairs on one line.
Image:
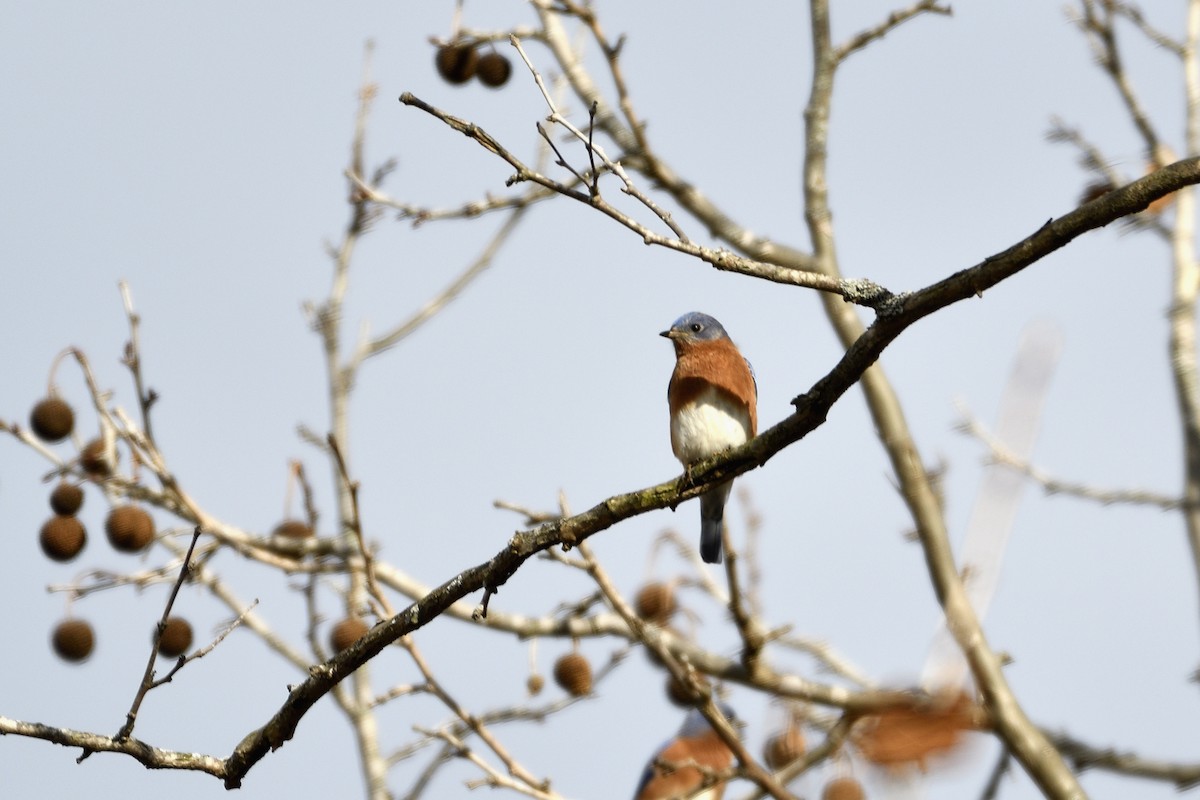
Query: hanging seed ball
[[62, 537], [66, 499], [129, 528], [783, 748], [176, 638], [535, 683], [655, 602], [93, 460], [346, 633], [456, 63], [493, 70], [573, 673], [73, 640], [52, 419], [293, 529], [679, 694], [845, 788]]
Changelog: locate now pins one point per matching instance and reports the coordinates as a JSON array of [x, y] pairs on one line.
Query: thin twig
[[133, 359], [999, 454], [1085, 756], [148, 682], [594, 150], [1096, 21], [991, 789], [749, 629], [495, 778], [434, 686], [893, 21], [355, 521]]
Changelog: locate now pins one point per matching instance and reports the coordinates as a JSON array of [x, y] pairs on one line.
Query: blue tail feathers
[[712, 514], [710, 540]]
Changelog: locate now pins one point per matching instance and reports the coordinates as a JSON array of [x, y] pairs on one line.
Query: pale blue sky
[[196, 151]]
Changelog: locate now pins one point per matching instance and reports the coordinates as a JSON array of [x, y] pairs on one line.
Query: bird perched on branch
[[690, 761], [713, 399]]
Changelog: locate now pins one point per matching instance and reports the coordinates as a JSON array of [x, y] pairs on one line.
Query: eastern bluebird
[[672, 771], [713, 399]]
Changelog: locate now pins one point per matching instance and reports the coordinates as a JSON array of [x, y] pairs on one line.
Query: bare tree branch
[[1184, 292], [1084, 757], [999, 454], [1095, 19], [151, 757], [862, 292], [893, 21]]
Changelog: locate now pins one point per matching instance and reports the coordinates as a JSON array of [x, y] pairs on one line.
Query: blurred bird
[[713, 399], [696, 745]]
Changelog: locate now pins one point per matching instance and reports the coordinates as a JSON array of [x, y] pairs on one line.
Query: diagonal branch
[[456, 287]]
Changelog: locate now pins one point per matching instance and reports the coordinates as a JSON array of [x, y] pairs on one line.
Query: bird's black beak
[[667, 334]]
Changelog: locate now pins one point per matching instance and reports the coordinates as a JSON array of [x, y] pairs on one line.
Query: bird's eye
[[697, 327]]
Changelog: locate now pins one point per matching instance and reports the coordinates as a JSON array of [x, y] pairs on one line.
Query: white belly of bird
[[706, 426]]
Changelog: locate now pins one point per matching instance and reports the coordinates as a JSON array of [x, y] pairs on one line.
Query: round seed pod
[[129, 529], [493, 69], [73, 640], [346, 633], [66, 499], [176, 638], [655, 602], [679, 694], [52, 419], [534, 684], [93, 459], [573, 673], [783, 748], [293, 529], [456, 63], [62, 537], [844, 788]]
